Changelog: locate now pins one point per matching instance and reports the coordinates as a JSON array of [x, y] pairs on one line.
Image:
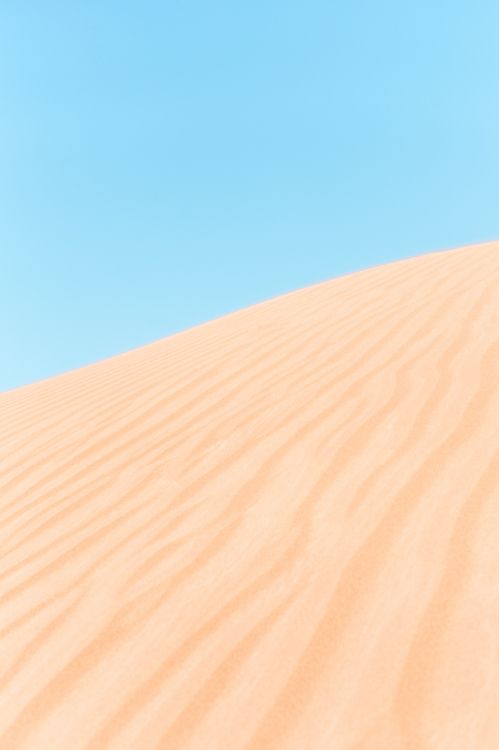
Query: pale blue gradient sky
[[163, 163]]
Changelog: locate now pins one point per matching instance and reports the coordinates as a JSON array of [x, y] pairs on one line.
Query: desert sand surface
[[276, 530]]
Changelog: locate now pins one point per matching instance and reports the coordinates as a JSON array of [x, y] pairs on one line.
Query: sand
[[276, 530]]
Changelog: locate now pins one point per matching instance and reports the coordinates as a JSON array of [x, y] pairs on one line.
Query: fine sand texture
[[276, 530]]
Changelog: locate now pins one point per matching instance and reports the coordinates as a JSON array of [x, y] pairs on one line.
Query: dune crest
[[275, 530]]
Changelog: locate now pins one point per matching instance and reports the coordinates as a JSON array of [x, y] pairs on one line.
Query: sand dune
[[276, 530]]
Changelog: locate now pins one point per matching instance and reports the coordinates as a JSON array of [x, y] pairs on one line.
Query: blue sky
[[163, 163]]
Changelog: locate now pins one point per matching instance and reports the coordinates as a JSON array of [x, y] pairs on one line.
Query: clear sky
[[163, 163]]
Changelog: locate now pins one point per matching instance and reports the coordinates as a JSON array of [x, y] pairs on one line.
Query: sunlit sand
[[276, 530]]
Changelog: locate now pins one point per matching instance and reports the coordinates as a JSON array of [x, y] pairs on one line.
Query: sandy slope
[[277, 530]]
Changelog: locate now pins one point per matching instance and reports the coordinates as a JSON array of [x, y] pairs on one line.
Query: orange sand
[[276, 530]]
